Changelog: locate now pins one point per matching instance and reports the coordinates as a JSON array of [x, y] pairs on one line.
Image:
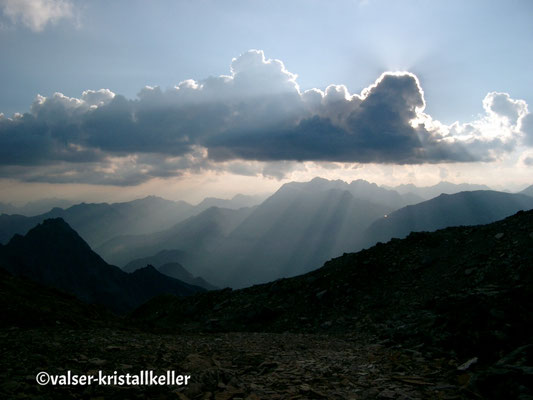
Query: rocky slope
[[465, 291]]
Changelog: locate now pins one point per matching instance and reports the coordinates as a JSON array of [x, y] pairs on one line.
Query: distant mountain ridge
[[53, 254], [304, 224], [464, 208], [236, 202], [528, 191], [166, 262], [429, 192], [194, 237], [293, 231], [360, 189], [100, 222], [35, 207]]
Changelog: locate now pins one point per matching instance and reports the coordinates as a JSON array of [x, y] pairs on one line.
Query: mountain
[[99, 222], [465, 208], [177, 271], [35, 207], [528, 191], [166, 262], [294, 231], [53, 254], [236, 202], [162, 257], [461, 293], [429, 192], [360, 189], [194, 237]]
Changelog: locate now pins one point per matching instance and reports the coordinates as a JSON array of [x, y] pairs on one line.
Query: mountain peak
[[53, 254], [56, 227], [146, 271]]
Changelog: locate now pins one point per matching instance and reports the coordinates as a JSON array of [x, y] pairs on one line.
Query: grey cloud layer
[[257, 113]]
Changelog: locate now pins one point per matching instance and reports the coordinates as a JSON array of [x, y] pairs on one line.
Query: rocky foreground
[[226, 366]]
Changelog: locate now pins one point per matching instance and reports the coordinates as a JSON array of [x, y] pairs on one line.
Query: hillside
[[53, 254], [166, 262], [27, 304], [473, 301]]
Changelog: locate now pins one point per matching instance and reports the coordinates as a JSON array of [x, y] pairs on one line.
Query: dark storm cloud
[[258, 113], [372, 128]]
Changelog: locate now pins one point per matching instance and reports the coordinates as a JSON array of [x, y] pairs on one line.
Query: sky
[[109, 101]]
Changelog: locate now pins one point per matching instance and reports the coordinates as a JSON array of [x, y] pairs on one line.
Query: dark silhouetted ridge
[[53, 254], [464, 208]]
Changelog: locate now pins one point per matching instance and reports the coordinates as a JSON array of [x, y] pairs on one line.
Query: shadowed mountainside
[[304, 224], [429, 192], [464, 208], [53, 254], [528, 191], [194, 237], [166, 262], [27, 304], [295, 230]]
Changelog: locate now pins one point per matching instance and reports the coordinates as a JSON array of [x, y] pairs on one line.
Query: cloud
[[256, 114], [36, 14], [526, 126], [500, 105]]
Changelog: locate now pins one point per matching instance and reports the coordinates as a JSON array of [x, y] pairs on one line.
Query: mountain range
[[429, 192], [303, 225], [100, 222], [36, 207], [165, 262], [464, 208], [53, 254], [293, 231]]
